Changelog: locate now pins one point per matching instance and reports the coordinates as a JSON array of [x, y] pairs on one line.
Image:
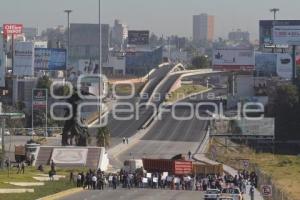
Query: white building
[[117, 62], [119, 34], [239, 35], [203, 27]]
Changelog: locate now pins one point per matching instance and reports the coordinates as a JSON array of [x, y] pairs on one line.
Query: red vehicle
[[176, 167]]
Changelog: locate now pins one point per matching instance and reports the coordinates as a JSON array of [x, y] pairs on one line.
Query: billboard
[[274, 64], [23, 59], [266, 29], [286, 35], [138, 37], [39, 98], [50, 59], [233, 59], [2, 63], [284, 66], [263, 127], [265, 64], [12, 29]]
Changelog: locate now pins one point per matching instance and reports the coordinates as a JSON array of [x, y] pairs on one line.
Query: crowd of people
[[97, 179]]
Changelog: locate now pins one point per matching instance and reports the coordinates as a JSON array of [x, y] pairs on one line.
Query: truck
[[132, 165], [176, 167], [207, 169], [26, 152]]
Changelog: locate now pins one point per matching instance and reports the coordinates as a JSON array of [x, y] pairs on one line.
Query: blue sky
[[159, 16]]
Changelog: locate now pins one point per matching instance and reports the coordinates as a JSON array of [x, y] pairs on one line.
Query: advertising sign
[[23, 59], [266, 29], [284, 66], [286, 35], [12, 29], [266, 64], [264, 127], [138, 37], [50, 59], [39, 98], [233, 59], [2, 63]]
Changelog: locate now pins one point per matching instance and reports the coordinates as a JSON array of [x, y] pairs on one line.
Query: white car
[[211, 194], [6, 132], [30, 133], [234, 193]]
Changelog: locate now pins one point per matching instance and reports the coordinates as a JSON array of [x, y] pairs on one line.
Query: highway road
[[127, 128], [169, 136], [136, 194], [154, 79]]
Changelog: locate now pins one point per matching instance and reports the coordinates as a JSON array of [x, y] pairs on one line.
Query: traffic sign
[[266, 190], [246, 164]]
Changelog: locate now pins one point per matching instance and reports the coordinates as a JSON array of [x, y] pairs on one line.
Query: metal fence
[[277, 193]]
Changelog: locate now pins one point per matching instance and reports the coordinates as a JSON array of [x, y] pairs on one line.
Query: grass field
[[50, 187], [126, 89], [284, 169], [184, 91]]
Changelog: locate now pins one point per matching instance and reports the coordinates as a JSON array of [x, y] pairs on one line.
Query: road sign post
[[266, 191]]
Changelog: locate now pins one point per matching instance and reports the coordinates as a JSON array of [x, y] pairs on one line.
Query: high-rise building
[[203, 27], [84, 42], [119, 34], [239, 35]]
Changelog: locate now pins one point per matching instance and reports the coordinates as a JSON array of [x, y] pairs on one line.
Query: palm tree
[[103, 137], [72, 129]]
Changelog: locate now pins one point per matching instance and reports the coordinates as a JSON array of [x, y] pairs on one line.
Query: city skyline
[[141, 15]]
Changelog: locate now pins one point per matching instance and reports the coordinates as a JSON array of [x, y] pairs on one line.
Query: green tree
[[200, 62], [286, 110], [44, 82], [103, 137], [12, 124]]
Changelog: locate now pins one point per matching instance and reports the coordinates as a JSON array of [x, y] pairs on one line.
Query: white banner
[[149, 175], [23, 59], [145, 180], [284, 66], [286, 35], [69, 156], [155, 180]]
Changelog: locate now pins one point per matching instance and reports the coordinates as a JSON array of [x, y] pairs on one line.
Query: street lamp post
[[68, 43], [100, 61], [274, 11]]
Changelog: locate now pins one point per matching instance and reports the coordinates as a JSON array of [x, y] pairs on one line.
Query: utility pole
[[68, 43]]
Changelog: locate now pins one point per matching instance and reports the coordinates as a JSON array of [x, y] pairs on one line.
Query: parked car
[[224, 197], [6, 132], [31, 133], [234, 193], [212, 194]]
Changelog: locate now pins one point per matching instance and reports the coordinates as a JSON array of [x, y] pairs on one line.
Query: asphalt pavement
[[136, 194]]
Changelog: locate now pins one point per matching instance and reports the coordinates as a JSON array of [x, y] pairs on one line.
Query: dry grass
[[284, 169]]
